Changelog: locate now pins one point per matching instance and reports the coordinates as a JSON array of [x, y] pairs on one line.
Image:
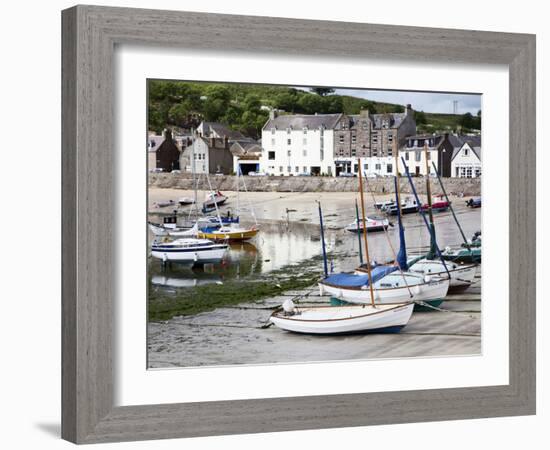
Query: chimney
[[225, 142], [272, 114], [408, 109], [212, 142], [167, 134], [364, 113]]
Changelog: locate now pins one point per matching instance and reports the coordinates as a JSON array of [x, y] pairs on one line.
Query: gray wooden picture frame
[[90, 34]]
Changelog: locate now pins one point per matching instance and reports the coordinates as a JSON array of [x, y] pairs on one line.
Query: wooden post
[[365, 232]]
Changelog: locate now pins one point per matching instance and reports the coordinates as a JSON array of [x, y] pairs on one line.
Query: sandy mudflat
[[233, 334]]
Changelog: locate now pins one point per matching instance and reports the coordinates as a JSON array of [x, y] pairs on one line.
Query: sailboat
[[470, 251], [232, 231], [388, 283], [348, 319], [461, 276]]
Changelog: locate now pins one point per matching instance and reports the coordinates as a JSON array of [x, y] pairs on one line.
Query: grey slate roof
[[246, 148], [154, 142], [394, 119], [473, 141], [437, 140], [223, 130], [299, 121]]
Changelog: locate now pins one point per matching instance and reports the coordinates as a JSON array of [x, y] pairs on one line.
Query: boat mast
[[422, 214], [365, 232], [359, 232], [431, 254], [194, 170], [397, 196], [325, 267], [451, 206]]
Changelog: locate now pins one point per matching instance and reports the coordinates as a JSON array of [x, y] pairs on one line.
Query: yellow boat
[[229, 234]]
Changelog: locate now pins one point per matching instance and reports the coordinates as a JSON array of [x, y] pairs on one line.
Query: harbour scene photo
[[308, 224]]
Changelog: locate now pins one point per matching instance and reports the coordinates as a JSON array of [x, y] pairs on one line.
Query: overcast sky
[[421, 101]]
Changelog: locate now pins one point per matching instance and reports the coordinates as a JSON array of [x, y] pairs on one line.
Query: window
[[417, 156], [271, 156], [366, 166], [288, 131], [429, 155], [289, 169], [390, 151], [341, 139], [273, 131], [465, 152], [273, 141], [389, 168], [378, 166], [305, 169], [353, 152], [297, 169], [305, 130], [353, 138], [356, 168], [289, 141], [407, 156], [280, 169], [365, 125], [304, 152], [289, 152]]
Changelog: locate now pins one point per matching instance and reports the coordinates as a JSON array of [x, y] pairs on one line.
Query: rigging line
[[386, 234]]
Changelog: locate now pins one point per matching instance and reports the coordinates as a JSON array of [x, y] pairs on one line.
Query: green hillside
[[244, 107]]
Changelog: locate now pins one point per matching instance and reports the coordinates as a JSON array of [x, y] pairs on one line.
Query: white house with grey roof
[[299, 144], [466, 160]]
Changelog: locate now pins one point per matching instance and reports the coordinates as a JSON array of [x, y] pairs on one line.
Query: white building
[[466, 162], [299, 144], [415, 150]]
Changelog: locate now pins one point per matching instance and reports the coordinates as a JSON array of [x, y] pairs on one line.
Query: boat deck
[[233, 335]]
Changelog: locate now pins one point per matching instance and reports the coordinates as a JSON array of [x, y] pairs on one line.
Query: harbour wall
[[453, 186]]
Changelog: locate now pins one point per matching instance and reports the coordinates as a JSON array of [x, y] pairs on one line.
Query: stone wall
[[454, 186]]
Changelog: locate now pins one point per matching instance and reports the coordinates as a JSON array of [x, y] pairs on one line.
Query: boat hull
[[213, 254], [229, 236], [462, 276], [342, 320], [433, 290]]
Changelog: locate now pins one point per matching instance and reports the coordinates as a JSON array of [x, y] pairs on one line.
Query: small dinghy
[[188, 250], [334, 320], [439, 204], [184, 201], [213, 199], [164, 204], [373, 224], [408, 206]]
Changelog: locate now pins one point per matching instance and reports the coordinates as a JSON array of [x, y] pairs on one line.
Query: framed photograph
[[270, 231]]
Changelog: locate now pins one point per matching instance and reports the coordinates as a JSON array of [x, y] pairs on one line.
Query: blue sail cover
[[353, 280], [402, 254]]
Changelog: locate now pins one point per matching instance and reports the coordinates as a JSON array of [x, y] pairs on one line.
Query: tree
[[420, 118], [467, 121], [322, 91]]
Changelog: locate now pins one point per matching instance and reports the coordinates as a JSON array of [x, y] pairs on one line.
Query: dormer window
[[288, 130], [272, 130], [304, 130]]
